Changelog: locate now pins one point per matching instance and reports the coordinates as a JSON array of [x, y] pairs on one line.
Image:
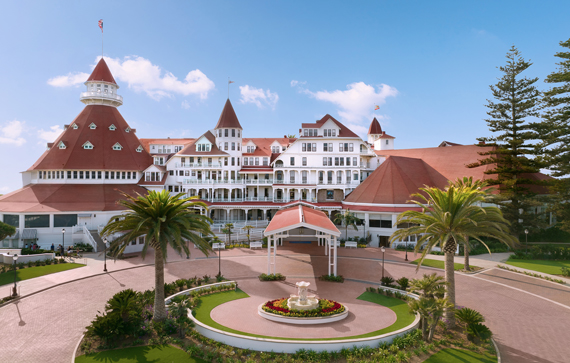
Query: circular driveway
[[528, 316]]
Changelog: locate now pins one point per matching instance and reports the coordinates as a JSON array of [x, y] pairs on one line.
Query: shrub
[[478, 331], [565, 271], [387, 281], [469, 316], [48, 262], [404, 282], [83, 247], [271, 277], [332, 278]]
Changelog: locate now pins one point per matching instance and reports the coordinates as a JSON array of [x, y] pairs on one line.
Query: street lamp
[[15, 291], [526, 239], [383, 250], [62, 241], [105, 256], [219, 260]]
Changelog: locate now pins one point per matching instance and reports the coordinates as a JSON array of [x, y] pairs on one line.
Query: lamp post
[[406, 250], [63, 241], [526, 239], [383, 250], [105, 256], [219, 261], [15, 290]]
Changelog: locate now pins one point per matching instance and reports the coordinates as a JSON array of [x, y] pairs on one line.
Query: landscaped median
[[427, 262]]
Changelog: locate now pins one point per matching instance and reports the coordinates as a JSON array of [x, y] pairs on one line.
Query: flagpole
[[228, 88], [102, 34]]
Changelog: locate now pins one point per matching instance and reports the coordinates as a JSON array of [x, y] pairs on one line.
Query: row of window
[[251, 161], [227, 133], [203, 147], [89, 146], [327, 147], [164, 149], [86, 174], [338, 178], [315, 132], [340, 161], [92, 126], [41, 220]]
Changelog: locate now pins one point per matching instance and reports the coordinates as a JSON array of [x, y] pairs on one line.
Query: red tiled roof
[[46, 198], [395, 180], [448, 143], [102, 156], [344, 131], [374, 128], [301, 216], [386, 136], [263, 145], [161, 182], [228, 118], [190, 148], [102, 73]]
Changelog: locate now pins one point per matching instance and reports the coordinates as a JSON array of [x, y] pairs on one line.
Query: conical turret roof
[[102, 127], [228, 118], [101, 73], [375, 128]]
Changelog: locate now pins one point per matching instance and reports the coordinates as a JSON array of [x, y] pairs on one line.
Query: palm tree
[[348, 219], [163, 220], [448, 217], [431, 304], [228, 230], [248, 228]]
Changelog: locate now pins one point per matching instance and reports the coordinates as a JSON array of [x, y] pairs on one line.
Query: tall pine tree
[[555, 135], [515, 100]]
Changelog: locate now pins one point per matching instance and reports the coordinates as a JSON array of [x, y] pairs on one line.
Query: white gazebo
[[298, 218]]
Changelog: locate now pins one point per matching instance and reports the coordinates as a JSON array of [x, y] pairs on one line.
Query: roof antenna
[[229, 82], [101, 26]]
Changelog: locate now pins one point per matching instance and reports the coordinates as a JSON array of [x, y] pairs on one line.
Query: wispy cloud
[[258, 96], [11, 133], [297, 83], [142, 75], [49, 135], [185, 104], [70, 80]]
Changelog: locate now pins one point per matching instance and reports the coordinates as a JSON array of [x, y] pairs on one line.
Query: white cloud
[[297, 83], [50, 135], [258, 96], [72, 79], [357, 102], [10, 133], [141, 75], [185, 104]]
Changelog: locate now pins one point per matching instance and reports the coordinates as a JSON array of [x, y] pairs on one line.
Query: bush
[[387, 281], [469, 316], [332, 278], [478, 331], [83, 247], [271, 277], [404, 282], [565, 271]]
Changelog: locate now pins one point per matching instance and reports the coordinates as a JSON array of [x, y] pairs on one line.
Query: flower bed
[[326, 308]]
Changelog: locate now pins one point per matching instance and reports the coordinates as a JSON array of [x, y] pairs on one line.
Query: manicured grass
[[545, 266], [452, 355], [155, 354], [209, 302], [31, 272], [441, 264]]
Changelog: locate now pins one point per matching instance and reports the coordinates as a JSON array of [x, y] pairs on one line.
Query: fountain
[[302, 301]]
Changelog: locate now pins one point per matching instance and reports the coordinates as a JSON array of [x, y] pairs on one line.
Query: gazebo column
[[335, 254], [329, 254], [274, 255], [269, 254]]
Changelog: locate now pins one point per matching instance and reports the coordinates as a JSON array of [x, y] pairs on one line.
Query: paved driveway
[[529, 317]]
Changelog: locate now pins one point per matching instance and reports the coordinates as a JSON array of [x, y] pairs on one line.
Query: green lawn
[[154, 354], [544, 266], [31, 272], [451, 355], [209, 302], [441, 264]]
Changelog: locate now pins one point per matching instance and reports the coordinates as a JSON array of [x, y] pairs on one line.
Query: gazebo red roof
[[301, 216]]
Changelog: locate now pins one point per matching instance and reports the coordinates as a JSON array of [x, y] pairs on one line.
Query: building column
[[335, 255], [274, 255], [269, 254], [246, 212], [329, 259]]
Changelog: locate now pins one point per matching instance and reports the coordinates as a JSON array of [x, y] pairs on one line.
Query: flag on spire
[[230, 82], [376, 108], [101, 25]]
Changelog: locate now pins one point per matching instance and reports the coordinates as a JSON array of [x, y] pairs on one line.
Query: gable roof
[[395, 180], [190, 148], [228, 118], [344, 131], [102, 156], [102, 73], [263, 145], [374, 128], [301, 216]]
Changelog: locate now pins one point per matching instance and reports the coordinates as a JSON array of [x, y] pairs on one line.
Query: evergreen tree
[[555, 136], [512, 158]]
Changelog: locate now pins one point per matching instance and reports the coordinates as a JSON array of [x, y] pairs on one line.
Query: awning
[[30, 233], [84, 215]]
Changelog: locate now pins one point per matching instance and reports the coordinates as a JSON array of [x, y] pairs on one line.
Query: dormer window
[[74, 126], [128, 129], [139, 149], [61, 145], [117, 146], [112, 127], [88, 146], [92, 126], [203, 147]]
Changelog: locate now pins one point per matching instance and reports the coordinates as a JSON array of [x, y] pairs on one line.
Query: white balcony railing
[[198, 165], [110, 96]]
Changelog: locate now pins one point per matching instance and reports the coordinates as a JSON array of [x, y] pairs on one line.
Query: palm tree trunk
[[450, 291], [466, 254], [159, 306]]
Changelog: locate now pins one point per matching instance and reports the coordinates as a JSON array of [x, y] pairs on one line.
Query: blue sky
[[427, 64]]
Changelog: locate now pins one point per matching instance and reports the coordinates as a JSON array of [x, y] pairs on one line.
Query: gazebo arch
[[302, 217]]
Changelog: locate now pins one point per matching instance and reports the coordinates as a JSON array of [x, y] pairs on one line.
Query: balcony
[[258, 181], [212, 181], [198, 165], [113, 97]]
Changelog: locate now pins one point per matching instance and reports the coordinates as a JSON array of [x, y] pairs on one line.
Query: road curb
[[496, 350], [76, 347]]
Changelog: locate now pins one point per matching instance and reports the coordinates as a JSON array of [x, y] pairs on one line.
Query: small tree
[[348, 219], [431, 304], [248, 228], [6, 230], [228, 231], [179, 310]]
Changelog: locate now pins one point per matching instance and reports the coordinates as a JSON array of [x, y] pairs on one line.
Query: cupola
[[101, 87]]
